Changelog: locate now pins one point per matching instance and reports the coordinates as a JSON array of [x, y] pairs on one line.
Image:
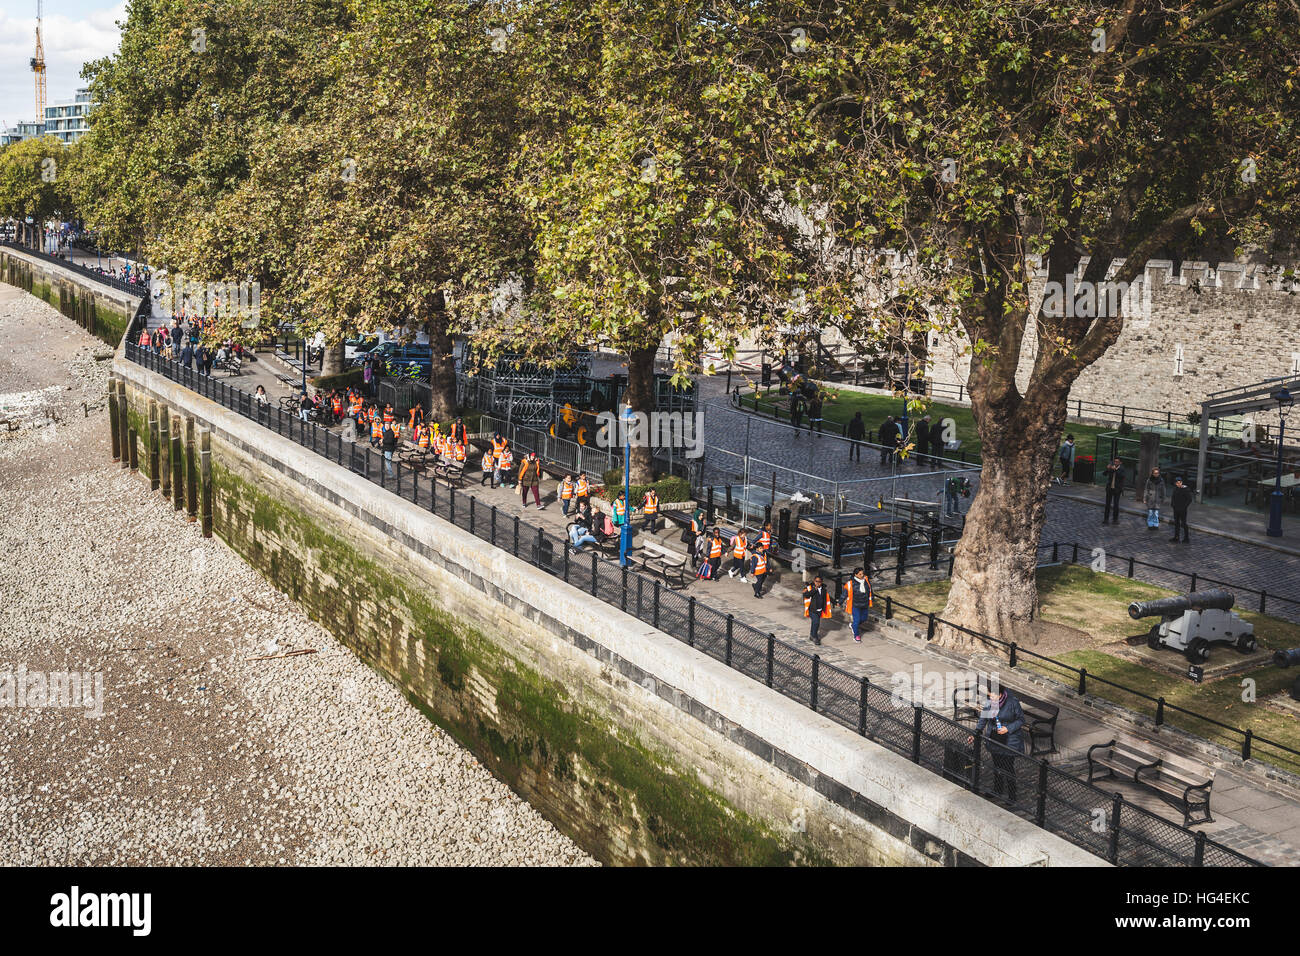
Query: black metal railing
[[1053, 800], [134, 288]]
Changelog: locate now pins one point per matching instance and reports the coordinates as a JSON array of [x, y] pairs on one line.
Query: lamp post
[[625, 531], [1284, 401]]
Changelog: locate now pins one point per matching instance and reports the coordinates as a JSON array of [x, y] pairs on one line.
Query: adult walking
[[1180, 501], [817, 605], [1153, 496], [1066, 456], [923, 439], [796, 410], [858, 603], [388, 439], [1114, 488], [857, 432], [815, 413], [530, 476]]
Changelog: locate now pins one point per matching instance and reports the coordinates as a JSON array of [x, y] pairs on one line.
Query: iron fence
[[134, 288], [1052, 800]]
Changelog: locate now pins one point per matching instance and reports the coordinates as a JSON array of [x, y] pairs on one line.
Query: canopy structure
[[1238, 401]]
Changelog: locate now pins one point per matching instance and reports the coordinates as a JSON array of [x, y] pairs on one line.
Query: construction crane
[[38, 67]]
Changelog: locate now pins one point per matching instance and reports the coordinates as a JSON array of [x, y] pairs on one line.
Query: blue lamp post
[[1284, 401], [625, 531]]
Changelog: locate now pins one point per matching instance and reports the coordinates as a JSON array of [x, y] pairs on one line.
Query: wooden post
[[205, 473], [112, 419], [178, 468], [135, 455], [165, 450], [153, 445], [122, 422], [191, 472]]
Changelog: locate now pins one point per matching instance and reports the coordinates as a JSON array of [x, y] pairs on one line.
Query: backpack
[[705, 572]]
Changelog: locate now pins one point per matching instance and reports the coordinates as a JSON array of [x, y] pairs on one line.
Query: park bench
[[452, 473], [1040, 717], [671, 567], [1179, 782]]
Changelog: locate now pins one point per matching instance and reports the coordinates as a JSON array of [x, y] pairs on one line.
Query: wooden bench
[[453, 474], [670, 566], [1179, 782], [1040, 717]]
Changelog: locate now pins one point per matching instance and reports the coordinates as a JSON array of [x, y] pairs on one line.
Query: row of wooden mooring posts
[[180, 454]]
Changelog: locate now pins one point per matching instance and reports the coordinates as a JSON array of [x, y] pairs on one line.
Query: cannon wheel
[[1246, 644], [1198, 652], [1153, 638]]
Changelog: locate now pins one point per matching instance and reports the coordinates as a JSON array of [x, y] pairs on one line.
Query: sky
[[74, 32]]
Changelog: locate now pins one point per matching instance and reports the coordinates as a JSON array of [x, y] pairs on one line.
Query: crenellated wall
[[1201, 329]]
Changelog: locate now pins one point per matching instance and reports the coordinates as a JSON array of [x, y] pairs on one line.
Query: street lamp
[[1284, 401], [625, 532]]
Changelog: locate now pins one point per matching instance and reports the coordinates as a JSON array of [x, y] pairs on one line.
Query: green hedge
[[670, 489], [343, 380]]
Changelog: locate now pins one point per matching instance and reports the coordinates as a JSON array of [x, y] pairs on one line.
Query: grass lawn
[[1078, 597], [874, 408]]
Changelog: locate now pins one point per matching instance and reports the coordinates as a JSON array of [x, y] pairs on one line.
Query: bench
[[669, 566], [1181, 783], [1040, 717], [453, 474]]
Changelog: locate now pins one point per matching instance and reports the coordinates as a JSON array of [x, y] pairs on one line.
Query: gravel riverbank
[[201, 756]]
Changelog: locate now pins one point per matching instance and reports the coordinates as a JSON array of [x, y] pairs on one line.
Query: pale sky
[[74, 31]]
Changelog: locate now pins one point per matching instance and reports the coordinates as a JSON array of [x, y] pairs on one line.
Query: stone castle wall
[[1202, 330]]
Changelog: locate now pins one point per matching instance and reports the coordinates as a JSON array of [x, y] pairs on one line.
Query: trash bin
[[1084, 470]]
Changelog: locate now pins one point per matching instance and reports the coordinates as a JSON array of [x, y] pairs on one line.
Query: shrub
[[343, 380], [670, 488], [1125, 428]]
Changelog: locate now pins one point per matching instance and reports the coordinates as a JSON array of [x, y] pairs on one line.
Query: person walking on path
[[1180, 500], [1114, 488], [817, 605], [857, 431], [489, 468], [650, 509], [1153, 496], [715, 554], [815, 413], [937, 446], [796, 410], [1066, 455], [758, 570], [530, 475], [739, 545], [858, 603]]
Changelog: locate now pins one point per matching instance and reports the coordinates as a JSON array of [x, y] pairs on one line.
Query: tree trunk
[[640, 396], [994, 588], [332, 361], [442, 375]]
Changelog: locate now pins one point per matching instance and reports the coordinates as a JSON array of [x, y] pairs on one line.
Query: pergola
[[1238, 401]]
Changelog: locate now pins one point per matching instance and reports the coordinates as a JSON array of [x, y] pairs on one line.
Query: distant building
[[66, 120], [25, 129]]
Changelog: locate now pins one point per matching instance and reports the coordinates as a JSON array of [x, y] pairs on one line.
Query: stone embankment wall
[[100, 310]]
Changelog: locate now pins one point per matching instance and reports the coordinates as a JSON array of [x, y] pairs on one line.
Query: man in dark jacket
[[796, 410], [1180, 500], [888, 439], [388, 440], [923, 438], [815, 412], [936, 439], [856, 432], [817, 603], [1003, 720], [1114, 488]]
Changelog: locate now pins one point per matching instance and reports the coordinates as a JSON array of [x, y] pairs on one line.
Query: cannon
[[1192, 622]]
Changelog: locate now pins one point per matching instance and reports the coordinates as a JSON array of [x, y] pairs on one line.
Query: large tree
[[972, 135], [645, 181]]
